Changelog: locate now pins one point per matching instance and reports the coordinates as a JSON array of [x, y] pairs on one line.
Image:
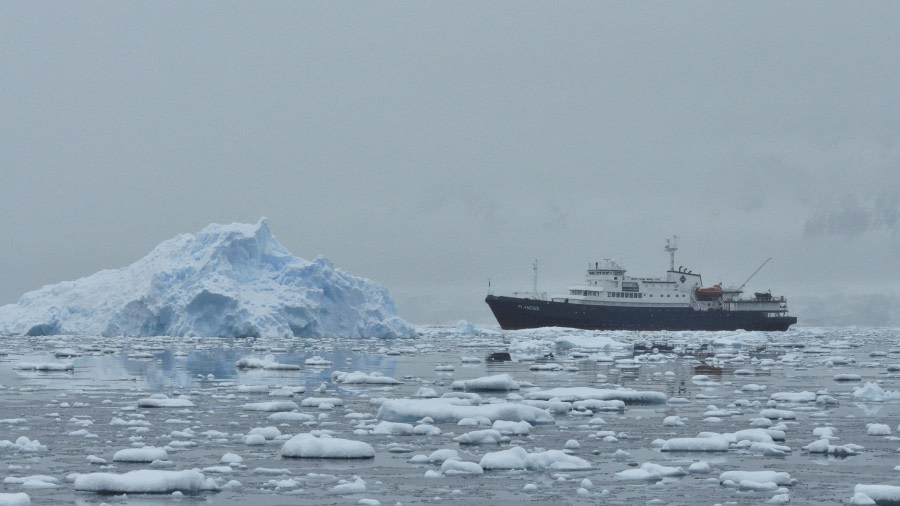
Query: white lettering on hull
[[529, 308]]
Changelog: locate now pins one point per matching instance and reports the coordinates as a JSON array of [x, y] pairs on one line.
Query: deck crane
[[754, 274]]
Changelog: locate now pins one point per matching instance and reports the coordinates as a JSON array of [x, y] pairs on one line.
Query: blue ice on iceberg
[[232, 280]]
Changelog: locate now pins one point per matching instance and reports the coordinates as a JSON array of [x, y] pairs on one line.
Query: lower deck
[[521, 313]]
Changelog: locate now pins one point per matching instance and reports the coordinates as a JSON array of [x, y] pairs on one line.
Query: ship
[[608, 299]]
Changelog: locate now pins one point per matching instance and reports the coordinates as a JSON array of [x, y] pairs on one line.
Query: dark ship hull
[[515, 313]]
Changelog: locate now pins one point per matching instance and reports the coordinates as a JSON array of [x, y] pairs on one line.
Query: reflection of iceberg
[[870, 408], [871, 392]]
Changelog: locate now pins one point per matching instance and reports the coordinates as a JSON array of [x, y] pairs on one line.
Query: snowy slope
[[228, 280]]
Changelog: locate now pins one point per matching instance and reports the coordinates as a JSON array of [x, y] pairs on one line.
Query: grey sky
[[430, 145]]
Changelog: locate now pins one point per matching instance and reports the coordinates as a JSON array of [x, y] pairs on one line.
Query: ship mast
[[534, 280], [671, 247]]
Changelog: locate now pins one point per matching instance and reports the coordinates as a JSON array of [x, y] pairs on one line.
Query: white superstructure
[[607, 284]]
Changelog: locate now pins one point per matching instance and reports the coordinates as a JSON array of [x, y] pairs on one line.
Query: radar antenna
[[754, 273], [671, 247]]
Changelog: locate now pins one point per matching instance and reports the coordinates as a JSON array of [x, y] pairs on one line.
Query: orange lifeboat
[[709, 293]]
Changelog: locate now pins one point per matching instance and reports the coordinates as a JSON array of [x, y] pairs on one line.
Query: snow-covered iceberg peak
[[232, 280]]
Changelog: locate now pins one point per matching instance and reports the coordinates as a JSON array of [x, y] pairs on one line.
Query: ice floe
[[145, 481], [323, 446]]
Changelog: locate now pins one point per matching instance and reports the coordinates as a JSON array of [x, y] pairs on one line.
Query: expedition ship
[[610, 300]]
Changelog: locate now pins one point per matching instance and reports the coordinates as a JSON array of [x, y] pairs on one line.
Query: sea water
[[714, 382]]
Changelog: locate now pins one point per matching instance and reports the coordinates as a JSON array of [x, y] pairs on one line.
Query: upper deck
[[606, 283]]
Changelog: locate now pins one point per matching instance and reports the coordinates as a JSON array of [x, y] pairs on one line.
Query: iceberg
[[232, 280]]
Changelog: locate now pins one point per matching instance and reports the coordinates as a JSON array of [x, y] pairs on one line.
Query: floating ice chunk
[[886, 494], [16, 499], [265, 432], [217, 469], [163, 401], [474, 421], [701, 467], [326, 447], [877, 429], [357, 486], [517, 458], [496, 383], [621, 454], [861, 499], [825, 432], [826, 399], [231, 458], [650, 472], [426, 430], [712, 410], [703, 380], [129, 423], [291, 416], [453, 467], [439, 456], [392, 429], [556, 407], [254, 440], [34, 481], [713, 443], [145, 454], [753, 435], [572, 394], [318, 361], [673, 421], [269, 471], [512, 428], [804, 396], [599, 405], [778, 414], [360, 378], [443, 411], [271, 406], [268, 362], [467, 398], [145, 481], [776, 477], [426, 393], [318, 402], [823, 446], [480, 437], [779, 499], [874, 393], [769, 449], [23, 444]]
